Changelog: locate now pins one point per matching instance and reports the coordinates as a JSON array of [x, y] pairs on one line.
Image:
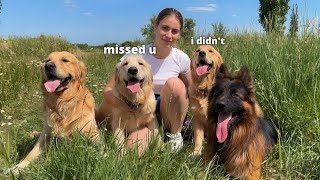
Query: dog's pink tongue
[[222, 127], [133, 86], [202, 69], [51, 86]]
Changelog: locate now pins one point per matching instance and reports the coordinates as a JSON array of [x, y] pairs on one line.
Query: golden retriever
[[204, 64], [134, 86], [68, 105]]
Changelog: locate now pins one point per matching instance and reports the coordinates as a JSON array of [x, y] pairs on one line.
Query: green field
[[285, 72]]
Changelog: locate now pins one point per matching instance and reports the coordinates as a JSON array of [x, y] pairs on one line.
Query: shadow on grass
[[26, 146]]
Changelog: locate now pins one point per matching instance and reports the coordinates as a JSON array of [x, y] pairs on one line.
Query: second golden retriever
[[68, 105], [134, 86], [204, 65]]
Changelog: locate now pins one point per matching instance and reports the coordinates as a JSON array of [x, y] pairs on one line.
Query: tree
[[293, 30], [219, 30], [0, 5], [188, 28], [148, 30], [134, 43], [272, 15], [83, 46], [110, 44]]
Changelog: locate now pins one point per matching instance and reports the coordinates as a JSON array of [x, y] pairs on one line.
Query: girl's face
[[167, 31]]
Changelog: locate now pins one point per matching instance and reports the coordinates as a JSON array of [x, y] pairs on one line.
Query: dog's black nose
[[49, 66], [133, 70], [220, 105], [202, 54]]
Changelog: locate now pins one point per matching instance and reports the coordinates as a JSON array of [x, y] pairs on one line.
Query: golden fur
[[199, 90], [69, 108], [142, 102]]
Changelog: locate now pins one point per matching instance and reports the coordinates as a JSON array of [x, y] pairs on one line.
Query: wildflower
[[9, 117], [9, 123], [3, 124], [1, 74], [1, 111]]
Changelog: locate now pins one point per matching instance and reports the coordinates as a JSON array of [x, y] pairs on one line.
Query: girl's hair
[[167, 12]]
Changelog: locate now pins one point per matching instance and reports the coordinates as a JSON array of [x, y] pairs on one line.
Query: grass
[[285, 71]]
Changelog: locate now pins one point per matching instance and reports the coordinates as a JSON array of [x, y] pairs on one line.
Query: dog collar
[[204, 92], [130, 104]]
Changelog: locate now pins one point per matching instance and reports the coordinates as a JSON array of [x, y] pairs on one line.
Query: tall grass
[[285, 72]]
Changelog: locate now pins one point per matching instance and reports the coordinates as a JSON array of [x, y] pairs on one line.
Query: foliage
[[110, 44], [148, 30], [84, 47], [219, 30], [188, 29], [134, 43], [272, 15], [293, 30]]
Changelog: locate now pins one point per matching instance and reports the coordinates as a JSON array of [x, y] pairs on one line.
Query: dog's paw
[[196, 153]]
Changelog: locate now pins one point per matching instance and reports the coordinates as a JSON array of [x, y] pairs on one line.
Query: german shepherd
[[237, 132]]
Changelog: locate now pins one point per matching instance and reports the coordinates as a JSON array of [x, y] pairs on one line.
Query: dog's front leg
[[41, 145], [154, 129], [120, 138], [198, 137]]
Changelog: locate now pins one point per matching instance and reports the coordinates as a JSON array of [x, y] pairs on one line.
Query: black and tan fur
[[249, 136]]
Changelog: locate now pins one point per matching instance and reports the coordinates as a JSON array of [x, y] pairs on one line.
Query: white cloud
[[88, 14], [208, 7], [71, 4], [234, 15]]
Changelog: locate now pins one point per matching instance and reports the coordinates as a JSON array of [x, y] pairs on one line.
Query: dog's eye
[[218, 92], [47, 60], [236, 95], [211, 51], [126, 63], [65, 60], [141, 64], [198, 50]]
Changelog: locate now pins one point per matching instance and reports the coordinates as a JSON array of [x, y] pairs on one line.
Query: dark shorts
[[158, 99], [158, 114]]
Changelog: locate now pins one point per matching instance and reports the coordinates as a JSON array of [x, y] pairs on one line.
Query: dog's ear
[[116, 72], [150, 75], [222, 71], [83, 72], [245, 76], [193, 61], [219, 62]]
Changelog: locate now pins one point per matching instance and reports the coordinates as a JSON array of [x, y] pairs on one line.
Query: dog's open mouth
[[203, 67], [55, 83], [225, 120], [134, 85]]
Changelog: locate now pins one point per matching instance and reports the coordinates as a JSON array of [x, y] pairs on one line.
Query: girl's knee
[[175, 87]]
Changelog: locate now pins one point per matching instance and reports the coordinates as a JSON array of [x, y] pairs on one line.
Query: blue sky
[[99, 21]]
